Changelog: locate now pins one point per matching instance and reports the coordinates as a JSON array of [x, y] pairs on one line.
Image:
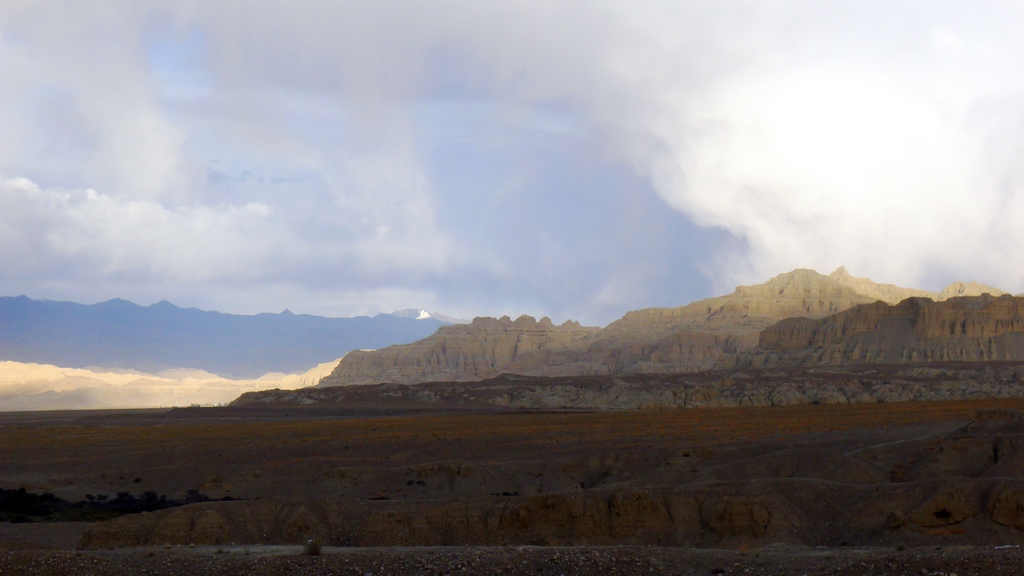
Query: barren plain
[[870, 488]]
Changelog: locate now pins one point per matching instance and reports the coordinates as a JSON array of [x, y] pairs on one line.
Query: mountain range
[[134, 354], [714, 333], [122, 335]]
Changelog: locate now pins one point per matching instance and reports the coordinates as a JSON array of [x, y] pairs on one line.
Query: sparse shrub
[[311, 547]]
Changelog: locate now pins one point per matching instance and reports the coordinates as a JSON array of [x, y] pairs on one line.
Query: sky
[[564, 158]]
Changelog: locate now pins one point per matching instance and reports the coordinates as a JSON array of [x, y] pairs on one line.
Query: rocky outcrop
[[747, 387], [695, 337], [655, 340], [889, 293], [965, 329], [959, 289], [797, 293], [773, 510], [686, 339], [1006, 506], [892, 294], [482, 349]]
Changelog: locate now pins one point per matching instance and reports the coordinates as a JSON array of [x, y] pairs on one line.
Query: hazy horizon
[[437, 314]]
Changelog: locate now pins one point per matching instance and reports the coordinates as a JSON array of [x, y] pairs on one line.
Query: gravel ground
[[553, 561]]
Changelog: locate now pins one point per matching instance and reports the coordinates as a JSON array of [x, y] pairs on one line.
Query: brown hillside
[[481, 349], [655, 340], [685, 339], [979, 328]]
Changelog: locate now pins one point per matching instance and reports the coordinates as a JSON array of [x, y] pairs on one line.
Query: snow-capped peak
[[420, 314], [415, 313]]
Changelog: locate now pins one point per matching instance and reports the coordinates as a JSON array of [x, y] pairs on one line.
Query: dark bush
[[20, 505]]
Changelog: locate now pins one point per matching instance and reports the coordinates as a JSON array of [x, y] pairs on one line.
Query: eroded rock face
[[773, 386], [950, 505], [888, 293], [482, 349], [896, 520], [958, 289], [876, 322], [651, 341], [963, 329], [1006, 505], [627, 516], [211, 526], [738, 515], [892, 294], [732, 514]]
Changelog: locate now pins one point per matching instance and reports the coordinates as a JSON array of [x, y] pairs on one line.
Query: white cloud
[[87, 235], [48, 231], [886, 137], [854, 159], [80, 106]]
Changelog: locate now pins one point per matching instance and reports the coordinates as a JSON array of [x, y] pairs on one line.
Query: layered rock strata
[[655, 340], [747, 387], [892, 294], [686, 339], [484, 348], [967, 329], [798, 511]]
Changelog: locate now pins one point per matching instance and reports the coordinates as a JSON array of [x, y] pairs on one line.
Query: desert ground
[[872, 488]]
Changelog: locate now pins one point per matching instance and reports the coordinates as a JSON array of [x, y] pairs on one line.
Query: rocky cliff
[[694, 337], [685, 339], [889, 293], [977, 328], [797, 293], [771, 386], [655, 340], [892, 294], [484, 348]]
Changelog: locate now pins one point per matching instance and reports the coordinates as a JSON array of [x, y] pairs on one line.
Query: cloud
[[80, 109], [47, 232], [864, 145], [560, 157]]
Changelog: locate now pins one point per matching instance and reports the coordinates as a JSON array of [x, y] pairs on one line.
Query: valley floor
[[873, 488]]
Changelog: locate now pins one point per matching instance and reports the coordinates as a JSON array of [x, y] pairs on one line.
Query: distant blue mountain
[[120, 334]]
